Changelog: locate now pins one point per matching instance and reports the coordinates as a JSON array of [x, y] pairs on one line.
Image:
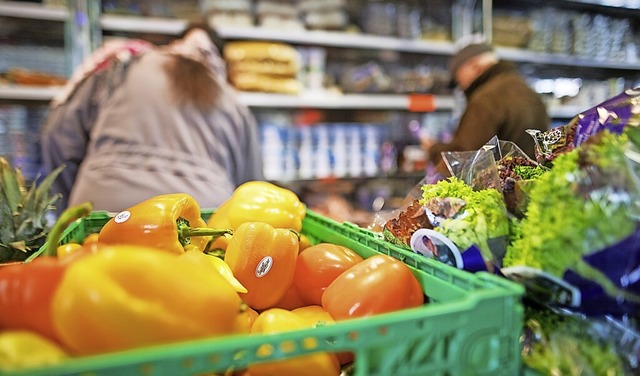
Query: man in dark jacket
[[499, 103]]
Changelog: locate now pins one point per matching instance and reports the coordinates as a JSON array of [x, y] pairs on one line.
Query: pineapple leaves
[[10, 186], [23, 212]]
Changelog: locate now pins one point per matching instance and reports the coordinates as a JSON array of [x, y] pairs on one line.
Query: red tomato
[[376, 285], [317, 266]]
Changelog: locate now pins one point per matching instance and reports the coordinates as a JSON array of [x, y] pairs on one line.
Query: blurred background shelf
[[37, 11], [134, 24], [29, 93], [339, 101], [521, 55]]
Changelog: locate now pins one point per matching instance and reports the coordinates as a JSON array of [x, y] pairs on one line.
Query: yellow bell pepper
[[23, 348], [169, 222], [130, 296], [259, 201], [277, 320], [219, 265]]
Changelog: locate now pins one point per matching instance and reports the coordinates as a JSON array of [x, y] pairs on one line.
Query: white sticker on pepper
[[123, 216], [264, 266]]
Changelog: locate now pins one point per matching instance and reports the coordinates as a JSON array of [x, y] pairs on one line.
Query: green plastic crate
[[470, 326]]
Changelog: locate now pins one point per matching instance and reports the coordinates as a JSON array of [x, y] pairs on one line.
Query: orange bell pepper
[[277, 320], [130, 296], [263, 259], [168, 222], [378, 284], [318, 266]]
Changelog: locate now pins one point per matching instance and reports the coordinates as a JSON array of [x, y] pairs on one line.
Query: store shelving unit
[[28, 93], [134, 24], [36, 11], [525, 56], [338, 39], [353, 41], [166, 26], [30, 11]]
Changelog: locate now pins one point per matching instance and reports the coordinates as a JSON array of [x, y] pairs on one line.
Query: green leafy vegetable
[[483, 217], [578, 207], [558, 344], [529, 172]]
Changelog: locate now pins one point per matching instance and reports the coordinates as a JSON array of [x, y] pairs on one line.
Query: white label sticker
[[264, 266], [123, 216]]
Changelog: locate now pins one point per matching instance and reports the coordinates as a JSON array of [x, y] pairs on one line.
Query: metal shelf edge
[[331, 101], [155, 25], [521, 55], [29, 93], [337, 39], [33, 11]]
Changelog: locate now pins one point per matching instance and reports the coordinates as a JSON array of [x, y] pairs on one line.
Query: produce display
[[569, 221], [152, 278]]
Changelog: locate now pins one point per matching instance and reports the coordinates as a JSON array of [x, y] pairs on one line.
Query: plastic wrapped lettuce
[[578, 230], [561, 343], [498, 164], [468, 218]]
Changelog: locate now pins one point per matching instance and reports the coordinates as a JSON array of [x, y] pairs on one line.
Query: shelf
[[346, 101], [520, 55], [319, 101], [29, 93], [627, 4], [133, 24], [565, 112], [33, 11], [337, 39], [319, 38]]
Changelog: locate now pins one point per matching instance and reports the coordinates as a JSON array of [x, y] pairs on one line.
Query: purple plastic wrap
[[613, 115]]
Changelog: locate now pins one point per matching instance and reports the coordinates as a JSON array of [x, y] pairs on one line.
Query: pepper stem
[[70, 215], [203, 231], [185, 232]]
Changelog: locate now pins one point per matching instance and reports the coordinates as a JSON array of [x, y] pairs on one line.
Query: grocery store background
[[373, 76]]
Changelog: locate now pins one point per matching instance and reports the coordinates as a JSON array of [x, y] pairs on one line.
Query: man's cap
[[466, 53]]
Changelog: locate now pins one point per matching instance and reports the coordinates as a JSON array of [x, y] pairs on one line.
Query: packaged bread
[[263, 66], [243, 51]]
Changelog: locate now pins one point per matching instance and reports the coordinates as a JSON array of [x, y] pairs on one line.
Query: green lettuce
[[558, 344], [574, 209], [483, 217]]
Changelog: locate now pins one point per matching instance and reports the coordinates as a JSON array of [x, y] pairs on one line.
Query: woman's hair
[[201, 24], [192, 82]]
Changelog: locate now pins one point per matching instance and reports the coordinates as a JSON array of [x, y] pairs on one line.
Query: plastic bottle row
[[326, 150]]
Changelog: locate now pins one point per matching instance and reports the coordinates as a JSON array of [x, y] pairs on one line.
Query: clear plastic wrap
[[499, 164]]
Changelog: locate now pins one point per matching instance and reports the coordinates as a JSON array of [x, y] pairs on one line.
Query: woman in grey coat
[[139, 120]]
